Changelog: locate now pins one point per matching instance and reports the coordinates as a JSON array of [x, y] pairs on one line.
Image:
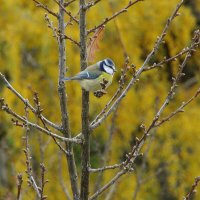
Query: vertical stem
[[85, 108], [63, 99]]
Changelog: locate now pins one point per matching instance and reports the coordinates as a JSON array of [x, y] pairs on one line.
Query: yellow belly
[[94, 85]]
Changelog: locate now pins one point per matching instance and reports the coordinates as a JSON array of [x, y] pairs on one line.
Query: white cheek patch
[[108, 69]]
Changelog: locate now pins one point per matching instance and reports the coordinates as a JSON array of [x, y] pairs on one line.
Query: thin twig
[[106, 186], [140, 70], [130, 157], [25, 101], [140, 142], [193, 189], [19, 185], [72, 40], [105, 168], [71, 19], [173, 58], [9, 111], [56, 33], [67, 12], [45, 7], [92, 3], [105, 21], [178, 110], [43, 182], [51, 26], [68, 3], [39, 112], [31, 179]]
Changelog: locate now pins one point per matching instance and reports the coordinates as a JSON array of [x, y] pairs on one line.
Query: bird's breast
[[95, 84]]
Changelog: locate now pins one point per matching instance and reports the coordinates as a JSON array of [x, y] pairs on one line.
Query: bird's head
[[107, 65]]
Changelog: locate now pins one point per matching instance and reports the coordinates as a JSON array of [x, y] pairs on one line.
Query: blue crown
[[109, 62]]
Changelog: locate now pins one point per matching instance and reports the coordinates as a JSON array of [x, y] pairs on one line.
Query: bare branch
[[43, 182], [128, 163], [63, 103], [193, 189], [51, 26], [9, 111], [56, 33], [105, 168], [19, 185], [29, 172], [68, 3], [114, 16], [39, 111], [25, 101], [67, 12], [173, 58], [72, 40], [106, 186], [141, 69], [178, 110], [174, 85], [140, 142], [92, 3], [45, 7], [71, 19], [192, 48]]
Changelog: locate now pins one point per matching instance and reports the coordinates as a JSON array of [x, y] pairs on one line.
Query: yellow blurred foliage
[[29, 59]]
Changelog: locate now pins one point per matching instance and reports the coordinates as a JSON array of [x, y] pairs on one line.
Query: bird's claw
[[100, 93]]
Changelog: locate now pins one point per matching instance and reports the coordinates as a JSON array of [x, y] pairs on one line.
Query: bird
[[92, 78]]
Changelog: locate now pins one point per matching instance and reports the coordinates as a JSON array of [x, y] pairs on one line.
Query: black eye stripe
[[111, 66]]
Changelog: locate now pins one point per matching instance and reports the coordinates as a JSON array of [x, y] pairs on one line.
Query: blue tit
[[92, 77]]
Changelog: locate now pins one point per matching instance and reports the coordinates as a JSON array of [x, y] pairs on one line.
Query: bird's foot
[[104, 84], [100, 93]]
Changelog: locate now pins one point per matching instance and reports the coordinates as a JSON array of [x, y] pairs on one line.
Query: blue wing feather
[[84, 75]]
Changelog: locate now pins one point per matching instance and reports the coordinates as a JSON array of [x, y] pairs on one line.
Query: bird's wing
[[86, 74]]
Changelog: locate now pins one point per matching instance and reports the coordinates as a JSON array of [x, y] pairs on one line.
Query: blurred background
[[29, 59]]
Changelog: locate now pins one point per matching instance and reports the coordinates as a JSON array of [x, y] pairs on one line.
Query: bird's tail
[[67, 79], [71, 78]]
